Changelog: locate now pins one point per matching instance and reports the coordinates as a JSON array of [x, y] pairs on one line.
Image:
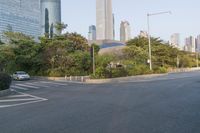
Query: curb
[[117, 80], [5, 92]]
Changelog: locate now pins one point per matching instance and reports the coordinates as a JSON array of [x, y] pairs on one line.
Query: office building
[[143, 34], [190, 44], [20, 16], [104, 20], [92, 33], [175, 40], [50, 16], [125, 31], [198, 43]]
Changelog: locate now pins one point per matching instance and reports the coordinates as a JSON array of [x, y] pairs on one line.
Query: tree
[[47, 25], [15, 37], [60, 27], [77, 41]]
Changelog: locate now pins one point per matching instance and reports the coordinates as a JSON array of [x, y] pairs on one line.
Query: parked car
[[21, 75]]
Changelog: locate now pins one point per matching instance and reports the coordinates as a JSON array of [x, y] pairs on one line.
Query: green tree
[[60, 27]]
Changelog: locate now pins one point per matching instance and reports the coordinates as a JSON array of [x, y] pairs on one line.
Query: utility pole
[[93, 60], [149, 36]]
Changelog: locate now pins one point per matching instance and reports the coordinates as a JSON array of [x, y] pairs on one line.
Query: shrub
[[119, 72], [139, 70], [5, 81], [160, 70], [57, 72]]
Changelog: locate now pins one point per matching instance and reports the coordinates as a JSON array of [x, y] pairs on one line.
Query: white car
[[21, 75]]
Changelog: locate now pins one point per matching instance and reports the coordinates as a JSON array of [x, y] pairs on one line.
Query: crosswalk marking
[[29, 86], [16, 96], [20, 99], [18, 87], [37, 85], [52, 83], [17, 100]]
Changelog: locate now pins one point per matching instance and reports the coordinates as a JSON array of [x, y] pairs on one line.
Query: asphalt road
[[168, 104]]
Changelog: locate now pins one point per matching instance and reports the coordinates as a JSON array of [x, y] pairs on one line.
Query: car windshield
[[21, 73]]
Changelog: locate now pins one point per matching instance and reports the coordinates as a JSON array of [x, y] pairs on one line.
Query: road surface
[[168, 104]]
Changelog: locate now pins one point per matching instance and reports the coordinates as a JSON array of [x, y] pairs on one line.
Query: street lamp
[[149, 36]]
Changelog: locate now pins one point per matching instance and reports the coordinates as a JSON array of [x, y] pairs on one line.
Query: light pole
[[93, 59], [149, 36], [197, 58]]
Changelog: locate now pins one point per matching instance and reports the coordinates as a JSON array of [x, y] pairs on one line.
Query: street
[[167, 104]]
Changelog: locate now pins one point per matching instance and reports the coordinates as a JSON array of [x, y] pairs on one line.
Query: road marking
[[17, 100], [53, 83], [17, 87], [31, 100], [29, 86], [25, 103], [37, 85], [15, 96]]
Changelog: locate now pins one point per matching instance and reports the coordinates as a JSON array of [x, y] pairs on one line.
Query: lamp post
[[149, 36]]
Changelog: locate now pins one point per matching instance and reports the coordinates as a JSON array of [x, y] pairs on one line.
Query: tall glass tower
[[20, 16], [104, 20], [50, 16]]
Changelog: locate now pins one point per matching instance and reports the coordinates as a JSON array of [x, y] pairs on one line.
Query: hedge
[[5, 81]]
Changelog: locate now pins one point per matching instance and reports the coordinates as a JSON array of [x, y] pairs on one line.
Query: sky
[[185, 17]]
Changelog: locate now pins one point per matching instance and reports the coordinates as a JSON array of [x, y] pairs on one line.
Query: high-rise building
[[175, 40], [125, 31], [104, 20], [50, 16], [143, 34], [20, 16], [190, 44], [92, 33], [198, 43]]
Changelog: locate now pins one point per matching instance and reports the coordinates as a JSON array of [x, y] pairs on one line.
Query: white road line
[[33, 99], [17, 87], [17, 100], [30, 95], [29, 86], [39, 85], [14, 105], [16, 96], [53, 83]]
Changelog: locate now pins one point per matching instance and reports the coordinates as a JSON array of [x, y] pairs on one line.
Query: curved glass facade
[[20, 16], [50, 15]]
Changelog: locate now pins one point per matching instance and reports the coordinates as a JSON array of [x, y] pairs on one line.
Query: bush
[[57, 72], [160, 70], [5, 81], [139, 70], [119, 72]]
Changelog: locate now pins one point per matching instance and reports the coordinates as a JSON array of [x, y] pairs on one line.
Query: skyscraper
[[92, 33], [175, 40], [20, 16], [190, 44], [50, 16], [198, 43], [125, 31], [104, 20]]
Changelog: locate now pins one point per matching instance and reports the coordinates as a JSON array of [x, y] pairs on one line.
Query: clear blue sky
[[185, 18]]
